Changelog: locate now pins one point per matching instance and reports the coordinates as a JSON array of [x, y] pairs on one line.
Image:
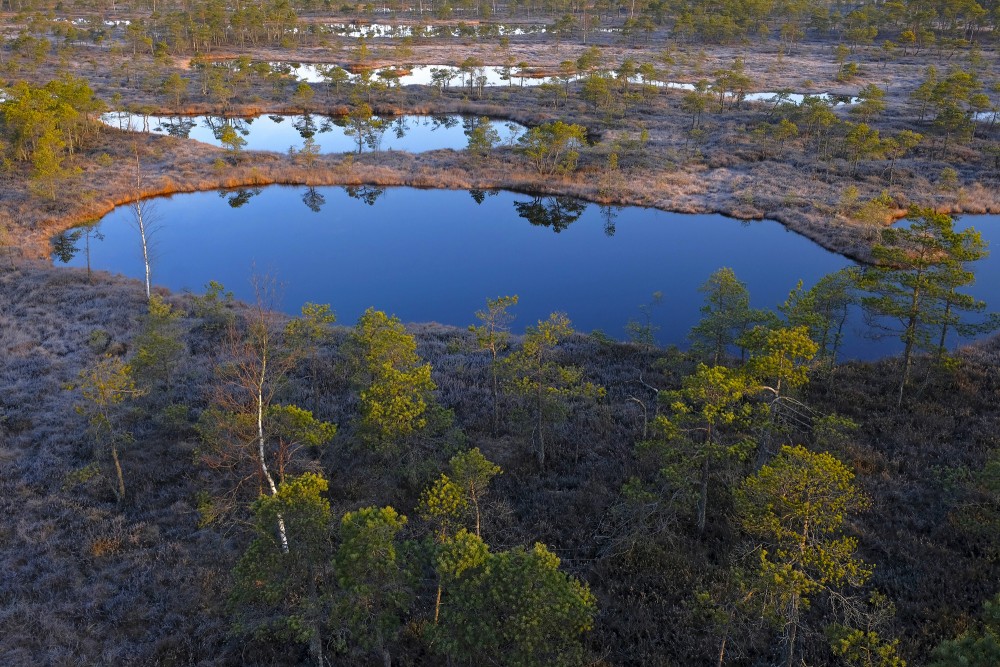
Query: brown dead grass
[[173, 166]]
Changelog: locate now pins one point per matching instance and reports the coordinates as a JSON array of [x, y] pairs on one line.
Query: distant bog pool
[[331, 134]]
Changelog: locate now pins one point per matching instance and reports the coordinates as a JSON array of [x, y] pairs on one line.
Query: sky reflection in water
[[280, 132], [437, 255]]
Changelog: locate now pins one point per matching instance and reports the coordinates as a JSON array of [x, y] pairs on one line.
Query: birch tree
[[142, 218], [245, 430]]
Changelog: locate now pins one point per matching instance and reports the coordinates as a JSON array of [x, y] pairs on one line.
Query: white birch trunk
[[260, 450]]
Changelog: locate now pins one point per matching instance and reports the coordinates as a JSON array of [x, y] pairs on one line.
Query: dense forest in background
[[194, 480]]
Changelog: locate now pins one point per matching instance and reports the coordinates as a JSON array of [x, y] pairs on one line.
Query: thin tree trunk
[[496, 396], [836, 348], [260, 452], [944, 331], [316, 640], [145, 245], [120, 491], [475, 504], [837, 339], [722, 650], [792, 631], [316, 647], [140, 222], [793, 627], [907, 354], [541, 436], [88, 256], [314, 381], [703, 497], [437, 603]]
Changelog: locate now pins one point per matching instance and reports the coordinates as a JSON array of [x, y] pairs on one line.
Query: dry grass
[[749, 191]]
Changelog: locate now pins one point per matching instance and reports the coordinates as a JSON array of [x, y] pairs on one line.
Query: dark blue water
[[437, 255]]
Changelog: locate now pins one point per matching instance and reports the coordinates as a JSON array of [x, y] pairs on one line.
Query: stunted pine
[[104, 387], [546, 385], [705, 435], [553, 148], [395, 385], [288, 592], [515, 603], [797, 506], [446, 504], [306, 334], [159, 348], [493, 335], [726, 315], [913, 289], [373, 580]]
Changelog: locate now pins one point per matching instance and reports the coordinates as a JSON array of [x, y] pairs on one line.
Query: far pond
[[330, 133], [481, 76], [356, 30], [496, 75], [437, 255]]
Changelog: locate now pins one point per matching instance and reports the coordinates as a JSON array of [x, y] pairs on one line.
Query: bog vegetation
[[192, 480], [832, 119], [373, 493]]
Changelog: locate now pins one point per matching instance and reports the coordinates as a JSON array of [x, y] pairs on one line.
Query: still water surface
[[356, 30], [450, 76], [278, 132], [436, 255]]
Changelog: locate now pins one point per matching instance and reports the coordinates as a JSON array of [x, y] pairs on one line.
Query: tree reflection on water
[[555, 212]]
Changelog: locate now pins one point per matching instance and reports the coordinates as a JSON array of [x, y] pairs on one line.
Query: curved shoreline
[[186, 166], [386, 176]]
